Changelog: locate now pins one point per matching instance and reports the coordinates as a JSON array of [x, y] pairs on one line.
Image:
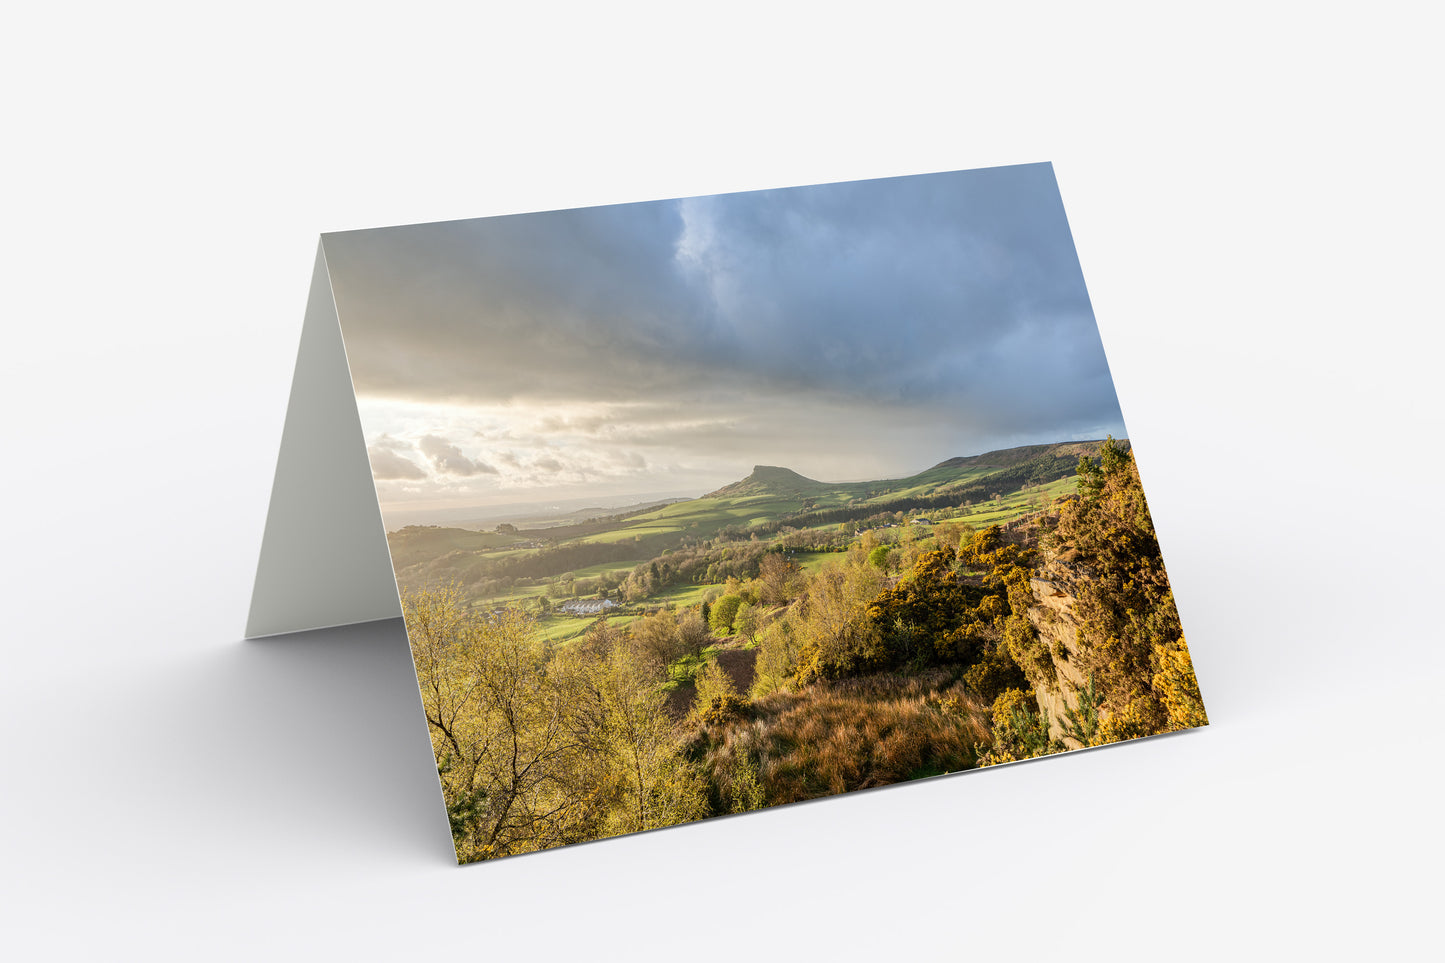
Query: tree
[[834, 635], [692, 631], [724, 610], [632, 755], [778, 577], [536, 749], [657, 640], [505, 755], [747, 622]]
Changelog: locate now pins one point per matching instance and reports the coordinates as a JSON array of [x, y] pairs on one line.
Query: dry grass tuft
[[834, 737]]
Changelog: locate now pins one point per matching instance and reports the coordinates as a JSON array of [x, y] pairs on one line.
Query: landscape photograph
[[702, 506]]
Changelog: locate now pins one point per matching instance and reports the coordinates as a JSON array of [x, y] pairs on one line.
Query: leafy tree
[[836, 637], [657, 641], [633, 759], [537, 749], [505, 753], [724, 610], [779, 651]]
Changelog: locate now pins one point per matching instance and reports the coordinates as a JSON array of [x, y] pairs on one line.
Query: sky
[[851, 331]]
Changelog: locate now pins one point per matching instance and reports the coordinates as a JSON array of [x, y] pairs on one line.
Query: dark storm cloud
[[449, 460], [387, 464], [946, 294]]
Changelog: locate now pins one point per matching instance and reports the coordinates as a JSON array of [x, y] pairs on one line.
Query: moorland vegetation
[[772, 651]]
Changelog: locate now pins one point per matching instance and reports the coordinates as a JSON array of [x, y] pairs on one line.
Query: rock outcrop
[[1052, 615]]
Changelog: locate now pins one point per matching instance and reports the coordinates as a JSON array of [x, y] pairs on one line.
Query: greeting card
[[701, 506]]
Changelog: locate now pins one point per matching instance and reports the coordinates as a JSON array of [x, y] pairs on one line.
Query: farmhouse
[[586, 606]]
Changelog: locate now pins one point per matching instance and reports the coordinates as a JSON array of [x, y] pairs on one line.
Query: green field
[[769, 496], [422, 543], [562, 628], [812, 561]]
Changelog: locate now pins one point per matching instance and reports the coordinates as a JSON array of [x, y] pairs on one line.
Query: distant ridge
[[1008, 457], [775, 481]]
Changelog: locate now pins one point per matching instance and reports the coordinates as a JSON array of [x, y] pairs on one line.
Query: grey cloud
[[387, 464], [449, 460], [952, 298]]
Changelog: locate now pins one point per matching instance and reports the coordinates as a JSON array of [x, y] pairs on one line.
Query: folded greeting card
[[701, 506]]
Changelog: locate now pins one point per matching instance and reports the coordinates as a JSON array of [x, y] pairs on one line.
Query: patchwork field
[[679, 555]]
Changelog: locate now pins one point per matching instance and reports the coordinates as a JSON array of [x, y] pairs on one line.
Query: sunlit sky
[[847, 331]]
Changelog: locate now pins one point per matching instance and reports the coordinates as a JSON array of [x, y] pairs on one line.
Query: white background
[[1254, 192]]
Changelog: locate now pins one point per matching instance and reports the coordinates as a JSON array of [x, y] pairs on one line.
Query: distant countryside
[[782, 639]]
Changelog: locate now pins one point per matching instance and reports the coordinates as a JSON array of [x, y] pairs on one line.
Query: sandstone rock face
[[1052, 614]]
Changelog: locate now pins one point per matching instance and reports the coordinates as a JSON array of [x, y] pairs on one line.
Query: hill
[[991, 488], [416, 543], [770, 480], [1008, 457]]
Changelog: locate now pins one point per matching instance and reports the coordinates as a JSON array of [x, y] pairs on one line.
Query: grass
[[559, 628], [681, 596], [705, 517], [437, 555], [565, 628], [853, 734], [685, 670], [608, 568], [1015, 505], [632, 531], [812, 561], [419, 544], [516, 596]]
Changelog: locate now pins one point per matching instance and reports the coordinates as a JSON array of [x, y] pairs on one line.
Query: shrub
[[1130, 638], [1178, 688], [994, 674], [716, 694], [1019, 730], [723, 708]]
